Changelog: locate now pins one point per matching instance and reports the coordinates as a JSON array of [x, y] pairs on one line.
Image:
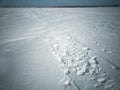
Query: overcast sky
[[58, 2]]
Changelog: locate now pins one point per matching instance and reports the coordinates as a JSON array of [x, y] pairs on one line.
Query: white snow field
[[60, 48]]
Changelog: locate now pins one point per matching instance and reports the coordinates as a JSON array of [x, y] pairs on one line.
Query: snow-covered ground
[[60, 48]]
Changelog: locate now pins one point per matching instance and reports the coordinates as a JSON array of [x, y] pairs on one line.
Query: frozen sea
[[60, 48]]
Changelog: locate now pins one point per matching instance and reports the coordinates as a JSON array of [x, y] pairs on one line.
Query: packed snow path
[[78, 60]]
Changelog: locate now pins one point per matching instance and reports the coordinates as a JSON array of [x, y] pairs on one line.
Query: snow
[[80, 45], [66, 71], [101, 80], [67, 83]]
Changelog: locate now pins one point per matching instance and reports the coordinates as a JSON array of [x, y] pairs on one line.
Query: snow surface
[[60, 48]]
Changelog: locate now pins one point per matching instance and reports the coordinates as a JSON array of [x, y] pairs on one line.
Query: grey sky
[[58, 2]]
